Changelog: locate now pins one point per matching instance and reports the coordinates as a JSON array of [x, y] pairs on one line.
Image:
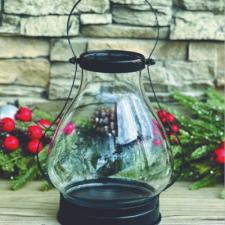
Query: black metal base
[[145, 214]]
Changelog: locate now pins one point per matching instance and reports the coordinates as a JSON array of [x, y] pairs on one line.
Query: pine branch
[[196, 106], [177, 150], [46, 186], [6, 164], [39, 114], [23, 179], [204, 182], [201, 152], [21, 126], [215, 99]]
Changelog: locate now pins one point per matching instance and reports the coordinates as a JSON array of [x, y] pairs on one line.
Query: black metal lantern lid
[[111, 61]]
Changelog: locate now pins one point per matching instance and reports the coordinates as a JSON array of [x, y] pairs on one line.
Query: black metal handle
[[69, 22]]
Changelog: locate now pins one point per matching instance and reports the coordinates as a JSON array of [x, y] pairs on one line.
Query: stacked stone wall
[[34, 51]]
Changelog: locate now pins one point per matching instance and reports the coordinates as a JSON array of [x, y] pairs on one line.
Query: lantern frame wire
[[74, 60]]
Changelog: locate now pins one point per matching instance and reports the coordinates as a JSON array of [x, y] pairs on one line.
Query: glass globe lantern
[[116, 160], [109, 157]]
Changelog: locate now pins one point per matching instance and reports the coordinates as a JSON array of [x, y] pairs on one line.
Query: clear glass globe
[[110, 147]]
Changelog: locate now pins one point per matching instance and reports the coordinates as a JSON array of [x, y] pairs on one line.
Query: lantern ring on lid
[[111, 61]]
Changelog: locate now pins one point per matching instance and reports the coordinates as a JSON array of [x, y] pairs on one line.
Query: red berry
[[157, 142], [220, 156], [223, 145], [170, 118], [166, 117], [44, 123], [24, 114], [11, 143], [175, 128], [7, 124], [69, 128], [35, 132], [162, 113], [164, 120], [34, 146]]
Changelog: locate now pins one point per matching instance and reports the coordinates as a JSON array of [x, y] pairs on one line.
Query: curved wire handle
[[157, 25], [69, 24], [68, 27]]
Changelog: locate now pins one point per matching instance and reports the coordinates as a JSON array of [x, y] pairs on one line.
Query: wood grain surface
[[179, 206]]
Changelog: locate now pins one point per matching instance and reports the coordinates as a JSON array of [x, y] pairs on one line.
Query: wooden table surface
[[179, 206]]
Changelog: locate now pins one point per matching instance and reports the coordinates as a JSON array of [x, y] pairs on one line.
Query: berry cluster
[[170, 123], [172, 127], [12, 138]]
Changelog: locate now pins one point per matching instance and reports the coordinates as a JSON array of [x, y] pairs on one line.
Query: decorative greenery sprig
[[19, 163], [202, 138]]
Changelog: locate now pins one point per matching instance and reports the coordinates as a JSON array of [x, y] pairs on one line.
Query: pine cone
[[105, 122]]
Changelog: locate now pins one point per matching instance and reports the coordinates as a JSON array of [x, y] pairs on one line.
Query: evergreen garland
[[201, 133], [20, 165]]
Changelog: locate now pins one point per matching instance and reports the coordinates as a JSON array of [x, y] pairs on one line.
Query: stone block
[[53, 107], [52, 7], [195, 89], [158, 75], [33, 101], [126, 2], [124, 15], [48, 26], [159, 79], [63, 70], [197, 26], [172, 50], [99, 6], [25, 72], [186, 73], [60, 88], [200, 51], [20, 91], [20, 47], [158, 88], [117, 31], [60, 50], [220, 63], [10, 25], [95, 19], [142, 3], [26, 101], [201, 5], [155, 3]]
